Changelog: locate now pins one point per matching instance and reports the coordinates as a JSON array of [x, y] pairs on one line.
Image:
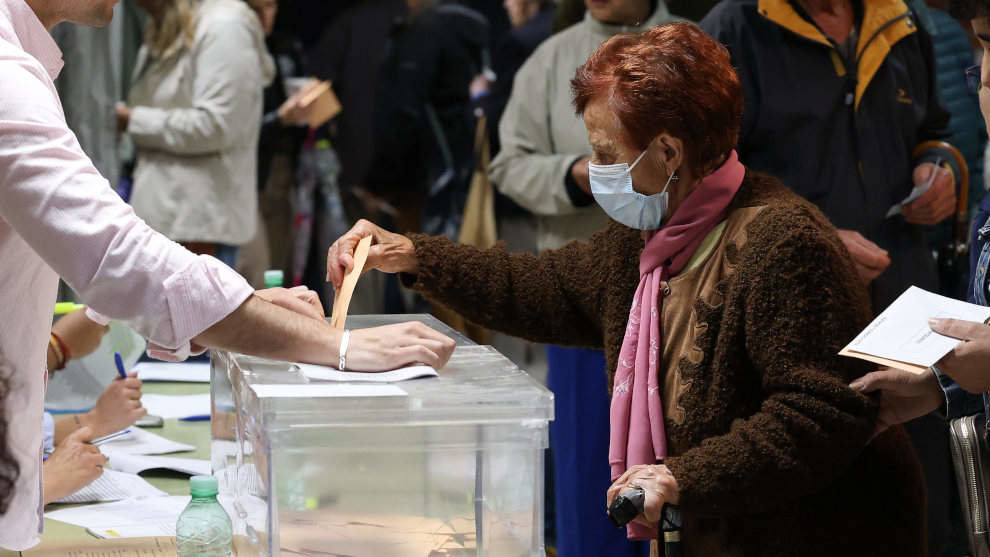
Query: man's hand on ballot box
[[394, 346], [375, 349], [299, 299], [261, 326]]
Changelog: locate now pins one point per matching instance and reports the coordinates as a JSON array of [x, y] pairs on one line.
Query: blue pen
[[110, 437], [120, 365], [197, 418]]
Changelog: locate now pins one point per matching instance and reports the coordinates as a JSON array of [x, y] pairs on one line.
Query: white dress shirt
[[59, 217]]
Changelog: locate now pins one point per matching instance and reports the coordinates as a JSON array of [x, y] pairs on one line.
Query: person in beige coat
[[194, 117], [543, 166], [543, 162]]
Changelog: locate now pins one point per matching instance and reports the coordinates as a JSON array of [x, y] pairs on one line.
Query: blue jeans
[[579, 447]]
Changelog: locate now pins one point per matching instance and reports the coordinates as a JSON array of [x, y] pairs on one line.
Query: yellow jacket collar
[[782, 13], [877, 35]]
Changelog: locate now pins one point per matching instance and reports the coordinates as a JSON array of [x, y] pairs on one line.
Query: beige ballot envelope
[[320, 103], [342, 298], [900, 336], [884, 362]]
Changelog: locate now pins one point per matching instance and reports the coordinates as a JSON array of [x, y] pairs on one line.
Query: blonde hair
[[178, 18]]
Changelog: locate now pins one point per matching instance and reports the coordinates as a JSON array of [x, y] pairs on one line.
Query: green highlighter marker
[[62, 308]]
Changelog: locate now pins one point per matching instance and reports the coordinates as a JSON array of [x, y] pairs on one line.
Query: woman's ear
[[669, 152]]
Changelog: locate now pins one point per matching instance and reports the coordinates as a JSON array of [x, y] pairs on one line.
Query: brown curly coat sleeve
[[553, 298]]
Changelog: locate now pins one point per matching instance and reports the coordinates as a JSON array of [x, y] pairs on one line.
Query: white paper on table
[[327, 390], [147, 512], [901, 333], [139, 463], [141, 442], [327, 373], [176, 406], [143, 531], [182, 372], [114, 486]]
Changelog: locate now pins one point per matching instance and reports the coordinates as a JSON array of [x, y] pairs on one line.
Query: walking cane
[[629, 504]]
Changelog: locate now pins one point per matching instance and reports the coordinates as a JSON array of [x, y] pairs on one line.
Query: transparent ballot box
[[431, 467]]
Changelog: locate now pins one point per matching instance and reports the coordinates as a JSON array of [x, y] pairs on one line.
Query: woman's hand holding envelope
[[389, 253], [904, 395]]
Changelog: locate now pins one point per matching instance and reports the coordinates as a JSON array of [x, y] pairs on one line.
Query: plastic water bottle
[[204, 529], [274, 278]]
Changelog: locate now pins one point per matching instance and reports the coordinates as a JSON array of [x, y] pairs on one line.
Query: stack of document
[[113, 486], [152, 516], [138, 441], [131, 453]]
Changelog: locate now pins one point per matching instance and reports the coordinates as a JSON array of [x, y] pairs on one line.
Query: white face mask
[[612, 186]]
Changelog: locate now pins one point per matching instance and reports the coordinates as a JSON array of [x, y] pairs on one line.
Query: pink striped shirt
[[59, 217]]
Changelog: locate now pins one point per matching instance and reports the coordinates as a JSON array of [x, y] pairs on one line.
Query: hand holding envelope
[[969, 362], [314, 103], [901, 337], [343, 295], [918, 331]]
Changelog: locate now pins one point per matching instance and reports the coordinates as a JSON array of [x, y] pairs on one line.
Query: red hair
[[674, 79]]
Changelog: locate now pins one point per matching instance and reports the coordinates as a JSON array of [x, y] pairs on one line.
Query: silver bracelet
[[344, 340]]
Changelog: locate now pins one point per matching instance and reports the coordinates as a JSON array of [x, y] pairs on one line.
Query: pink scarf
[[636, 417]]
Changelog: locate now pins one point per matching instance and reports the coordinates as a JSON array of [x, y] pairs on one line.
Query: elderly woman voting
[[721, 300]]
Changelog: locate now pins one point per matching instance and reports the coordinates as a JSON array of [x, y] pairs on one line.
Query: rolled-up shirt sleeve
[[57, 202]]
